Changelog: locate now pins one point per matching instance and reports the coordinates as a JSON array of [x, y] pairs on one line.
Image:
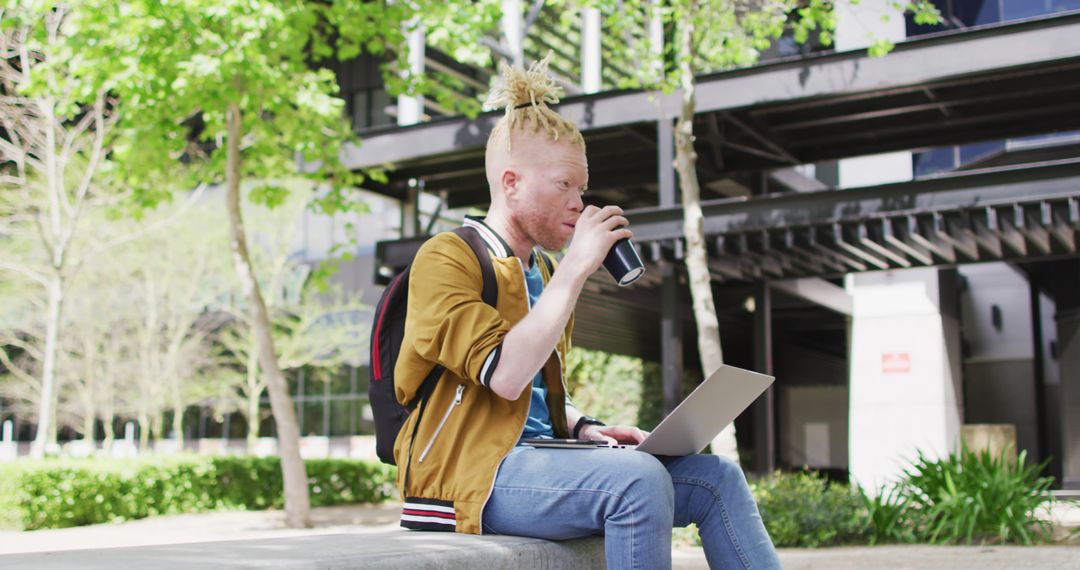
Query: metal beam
[[999, 186], [992, 49], [818, 291]]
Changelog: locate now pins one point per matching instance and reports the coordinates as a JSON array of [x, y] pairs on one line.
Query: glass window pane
[[977, 12], [380, 100], [314, 413], [978, 151], [360, 115], [341, 382], [342, 414], [1017, 9], [936, 160], [315, 380]]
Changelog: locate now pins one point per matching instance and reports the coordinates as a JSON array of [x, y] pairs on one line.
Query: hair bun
[[519, 88]]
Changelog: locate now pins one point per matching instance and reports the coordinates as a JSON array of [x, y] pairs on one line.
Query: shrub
[[974, 497], [887, 515], [803, 509], [64, 493]]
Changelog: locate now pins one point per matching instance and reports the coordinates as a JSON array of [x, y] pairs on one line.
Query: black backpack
[[386, 335]]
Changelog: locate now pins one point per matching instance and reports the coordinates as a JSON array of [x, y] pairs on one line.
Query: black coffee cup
[[623, 262]]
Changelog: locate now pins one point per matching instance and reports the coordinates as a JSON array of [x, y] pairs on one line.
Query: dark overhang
[[1026, 213], [995, 214], [999, 81]]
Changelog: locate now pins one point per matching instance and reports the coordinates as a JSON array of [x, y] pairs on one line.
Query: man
[[461, 463]]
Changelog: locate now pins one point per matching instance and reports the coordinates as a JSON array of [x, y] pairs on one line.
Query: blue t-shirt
[[539, 422]]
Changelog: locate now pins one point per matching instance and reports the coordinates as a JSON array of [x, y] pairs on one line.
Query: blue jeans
[[633, 499]]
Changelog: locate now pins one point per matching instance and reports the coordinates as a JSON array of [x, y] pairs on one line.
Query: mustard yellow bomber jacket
[[447, 470]]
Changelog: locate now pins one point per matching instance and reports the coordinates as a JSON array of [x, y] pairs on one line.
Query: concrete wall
[[999, 367], [813, 426]]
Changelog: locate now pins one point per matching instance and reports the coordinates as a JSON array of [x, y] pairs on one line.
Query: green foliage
[[804, 510], [605, 385], [966, 498], [887, 515], [727, 34], [970, 497], [65, 493]]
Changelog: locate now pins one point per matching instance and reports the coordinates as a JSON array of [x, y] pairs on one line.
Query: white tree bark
[[697, 268], [38, 140], [297, 505]]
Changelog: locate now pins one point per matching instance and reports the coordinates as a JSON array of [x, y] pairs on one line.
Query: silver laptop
[[693, 424]]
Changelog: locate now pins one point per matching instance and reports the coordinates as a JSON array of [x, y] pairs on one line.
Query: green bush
[[970, 497], [64, 493], [887, 515], [803, 509]]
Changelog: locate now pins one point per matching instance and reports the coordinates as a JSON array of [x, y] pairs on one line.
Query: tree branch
[[24, 271], [30, 349], [91, 168], [15, 370]]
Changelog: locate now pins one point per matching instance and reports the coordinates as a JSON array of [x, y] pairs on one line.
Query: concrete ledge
[[389, 550]]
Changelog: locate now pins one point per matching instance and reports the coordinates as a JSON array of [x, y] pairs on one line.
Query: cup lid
[[631, 276]]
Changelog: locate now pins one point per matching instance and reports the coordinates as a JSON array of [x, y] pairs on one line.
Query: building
[[894, 238]]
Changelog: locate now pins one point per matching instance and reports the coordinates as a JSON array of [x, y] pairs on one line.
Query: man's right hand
[[596, 231]]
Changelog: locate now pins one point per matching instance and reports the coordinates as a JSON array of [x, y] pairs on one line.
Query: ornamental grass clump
[[966, 498]]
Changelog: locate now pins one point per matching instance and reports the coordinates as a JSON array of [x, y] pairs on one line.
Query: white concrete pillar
[[590, 50], [410, 210], [513, 25], [1068, 323], [410, 109], [905, 373], [656, 39]]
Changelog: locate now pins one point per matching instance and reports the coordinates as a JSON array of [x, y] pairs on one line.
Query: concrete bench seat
[[377, 551]]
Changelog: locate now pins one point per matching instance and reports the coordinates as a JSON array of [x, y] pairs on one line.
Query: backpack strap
[[547, 261], [490, 293]]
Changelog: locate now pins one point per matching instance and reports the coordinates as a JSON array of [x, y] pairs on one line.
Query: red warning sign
[[896, 362]]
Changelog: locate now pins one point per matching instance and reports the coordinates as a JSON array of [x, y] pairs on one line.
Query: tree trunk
[[110, 434], [178, 423], [44, 436], [297, 505], [88, 427], [144, 431], [697, 268], [254, 394], [108, 416], [87, 393]]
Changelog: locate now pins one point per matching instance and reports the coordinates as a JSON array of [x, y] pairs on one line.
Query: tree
[[225, 92], [310, 327], [134, 336], [57, 118], [711, 35]]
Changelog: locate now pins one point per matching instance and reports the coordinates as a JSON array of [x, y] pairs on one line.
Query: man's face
[[547, 203]]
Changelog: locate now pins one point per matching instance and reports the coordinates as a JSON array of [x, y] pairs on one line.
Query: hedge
[[60, 493]]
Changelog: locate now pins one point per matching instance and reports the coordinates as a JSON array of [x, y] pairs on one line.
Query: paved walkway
[[252, 527]]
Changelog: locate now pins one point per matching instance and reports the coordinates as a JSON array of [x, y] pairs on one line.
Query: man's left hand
[[613, 434]]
